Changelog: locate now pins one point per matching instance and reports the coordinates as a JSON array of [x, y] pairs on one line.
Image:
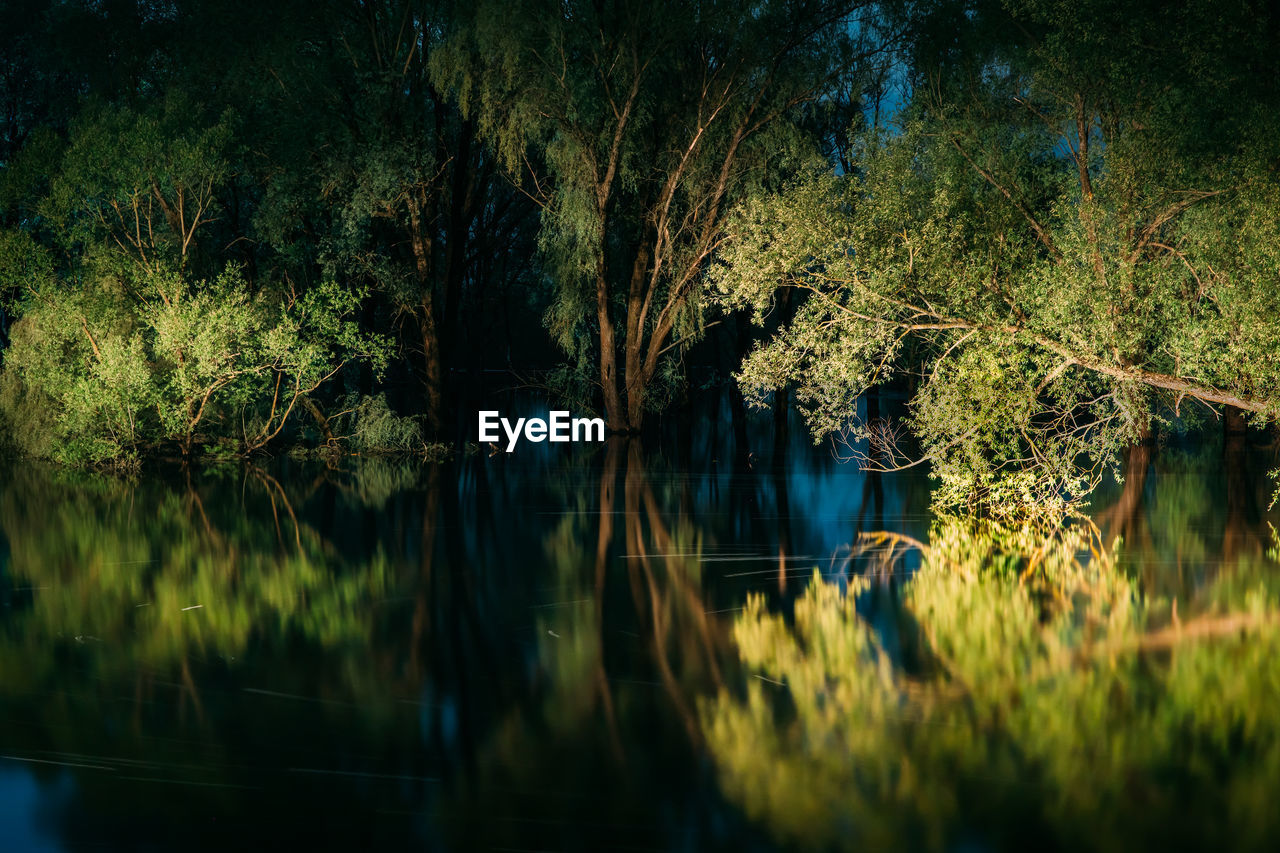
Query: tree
[[102, 371], [308, 144], [126, 345], [142, 185], [637, 126], [375, 176], [1066, 237]]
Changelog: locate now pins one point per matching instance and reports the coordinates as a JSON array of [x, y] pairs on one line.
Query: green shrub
[[117, 365], [375, 428]]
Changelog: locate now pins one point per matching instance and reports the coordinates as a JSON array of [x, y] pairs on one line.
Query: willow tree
[[1072, 233], [637, 126], [374, 175]]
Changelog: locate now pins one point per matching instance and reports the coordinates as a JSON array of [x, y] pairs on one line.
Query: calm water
[[546, 651]]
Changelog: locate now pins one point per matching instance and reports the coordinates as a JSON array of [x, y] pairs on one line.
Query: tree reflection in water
[[1062, 701], [576, 655]]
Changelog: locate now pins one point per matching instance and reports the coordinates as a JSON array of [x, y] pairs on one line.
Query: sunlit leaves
[[171, 359], [1047, 251]]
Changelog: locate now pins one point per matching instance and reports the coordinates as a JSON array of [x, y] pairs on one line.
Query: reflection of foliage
[[193, 637], [1185, 518], [621, 641], [118, 565], [376, 480], [1050, 696]]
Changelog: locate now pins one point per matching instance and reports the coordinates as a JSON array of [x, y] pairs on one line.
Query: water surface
[[617, 648]]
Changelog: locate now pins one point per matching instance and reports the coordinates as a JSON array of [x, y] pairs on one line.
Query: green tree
[[171, 360], [313, 146], [142, 183], [128, 346], [1066, 236], [374, 175], [637, 126]]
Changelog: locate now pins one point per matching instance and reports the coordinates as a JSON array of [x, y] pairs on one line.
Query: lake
[[625, 647]]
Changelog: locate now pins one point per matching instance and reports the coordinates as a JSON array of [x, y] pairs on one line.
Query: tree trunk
[[432, 379], [1233, 422], [615, 415], [1239, 531], [322, 423], [731, 356], [1125, 517], [635, 398], [461, 213], [427, 327], [781, 434], [638, 374], [782, 493]]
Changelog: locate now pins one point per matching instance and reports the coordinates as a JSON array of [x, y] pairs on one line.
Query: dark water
[[537, 651]]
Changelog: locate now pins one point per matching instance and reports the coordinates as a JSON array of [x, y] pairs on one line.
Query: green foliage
[[1072, 232], [24, 263], [375, 428], [637, 125], [142, 184], [126, 346], [81, 355], [169, 359], [1044, 250]]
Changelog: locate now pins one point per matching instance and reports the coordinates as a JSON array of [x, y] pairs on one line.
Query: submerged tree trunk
[[781, 426], [782, 494], [457, 239], [731, 335], [638, 376], [1125, 517], [615, 415], [1240, 534], [624, 391], [426, 316], [432, 371], [322, 422]]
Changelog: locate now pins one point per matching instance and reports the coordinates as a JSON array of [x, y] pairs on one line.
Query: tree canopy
[[1053, 225], [1068, 236]]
